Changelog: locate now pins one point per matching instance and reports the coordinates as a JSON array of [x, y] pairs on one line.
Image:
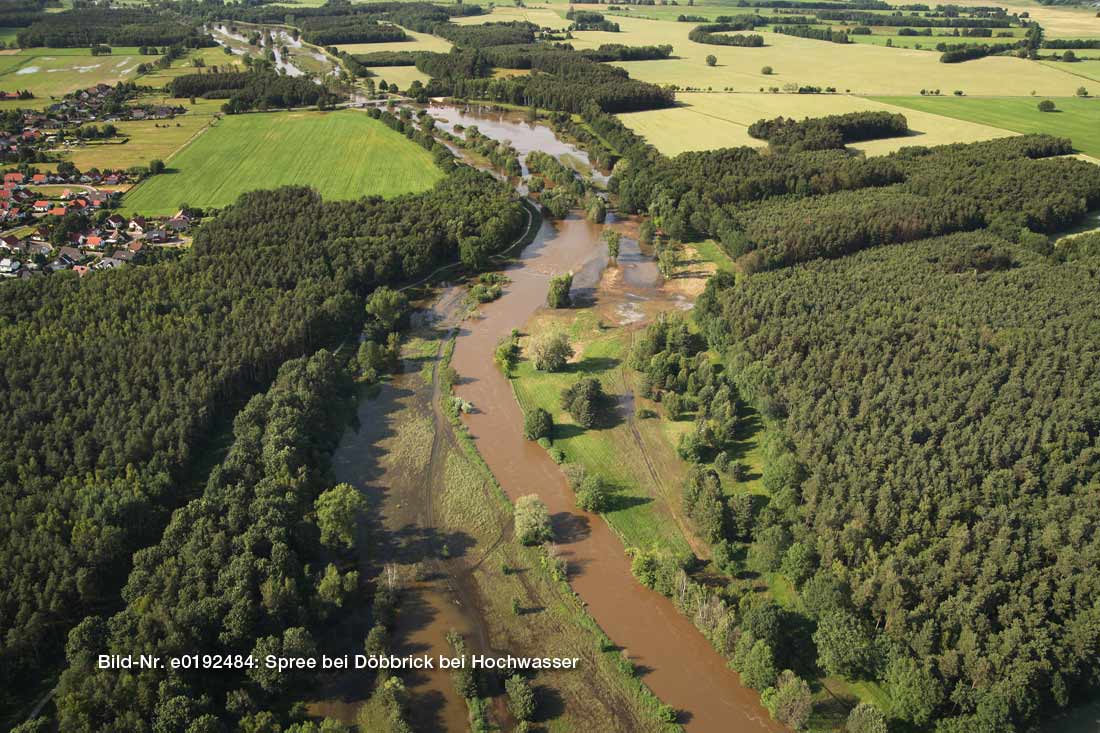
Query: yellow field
[[1058, 21], [403, 76], [707, 121], [419, 42], [858, 68], [543, 17]]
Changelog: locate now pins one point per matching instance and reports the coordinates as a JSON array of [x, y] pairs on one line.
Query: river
[[678, 663]]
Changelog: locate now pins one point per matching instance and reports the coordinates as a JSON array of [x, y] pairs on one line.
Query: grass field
[[344, 155], [1078, 119], [861, 68], [707, 121], [1087, 70], [146, 140], [55, 72]]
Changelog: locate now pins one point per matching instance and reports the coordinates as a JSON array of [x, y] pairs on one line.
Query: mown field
[[50, 72], [344, 155], [706, 121], [402, 75], [1077, 119]]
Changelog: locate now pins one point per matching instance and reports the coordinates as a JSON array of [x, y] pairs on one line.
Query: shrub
[[1047, 106], [712, 60], [593, 495], [551, 351], [767, 71], [558, 294], [532, 520], [521, 699], [537, 423]]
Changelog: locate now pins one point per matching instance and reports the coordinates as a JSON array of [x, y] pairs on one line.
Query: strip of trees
[[715, 34]]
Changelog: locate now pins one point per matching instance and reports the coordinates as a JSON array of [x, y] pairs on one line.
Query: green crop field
[[344, 155], [1077, 119]]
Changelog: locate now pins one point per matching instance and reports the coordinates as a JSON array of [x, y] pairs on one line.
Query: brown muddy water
[[676, 662]]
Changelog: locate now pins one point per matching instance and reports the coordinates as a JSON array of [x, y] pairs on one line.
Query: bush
[[551, 351], [1047, 106], [584, 400], [537, 424], [521, 699], [712, 60], [532, 520], [767, 71], [557, 455], [593, 495], [558, 294]]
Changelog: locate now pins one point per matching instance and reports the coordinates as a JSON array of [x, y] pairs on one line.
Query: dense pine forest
[[939, 461], [110, 384]]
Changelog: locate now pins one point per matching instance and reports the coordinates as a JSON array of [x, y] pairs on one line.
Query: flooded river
[[679, 665]]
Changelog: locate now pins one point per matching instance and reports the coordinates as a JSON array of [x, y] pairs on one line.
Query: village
[[62, 219]]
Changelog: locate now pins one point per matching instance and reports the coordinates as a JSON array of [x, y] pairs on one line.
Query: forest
[[93, 465], [251, 90], [932, 471], [776, 210], [122, 27], [833, 131], [248, 567]]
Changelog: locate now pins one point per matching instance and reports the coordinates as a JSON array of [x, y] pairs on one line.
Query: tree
[[338, 512], [597, 210], [521, 698], [387, 307], [1082, 92], [915, 693], [758, 670], [789, 701], [537, 423], [799, 563], [558, 294], [646, 232], [866, 718], [532, 521], [843, 645], [593, 495], [712, 60], [156, 166], [1047, 106], [584, 400], [613, 240], [550, 352], [767, 71]]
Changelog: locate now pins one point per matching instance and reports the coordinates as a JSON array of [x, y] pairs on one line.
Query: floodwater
[[524, 136], [677, 663]]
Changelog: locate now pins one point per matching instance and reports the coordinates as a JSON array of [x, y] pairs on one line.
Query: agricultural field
[[344, 155], [705, 121], [50, 72], [1088, 69], [1077, 119], [880, 36], [402, 75], [855, 68], [545, 17], [146, 140]]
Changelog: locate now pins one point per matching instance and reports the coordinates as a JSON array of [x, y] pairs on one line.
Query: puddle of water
[[28, 70]]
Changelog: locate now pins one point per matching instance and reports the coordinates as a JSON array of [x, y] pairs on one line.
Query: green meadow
[[1076, 118], [344, 155]]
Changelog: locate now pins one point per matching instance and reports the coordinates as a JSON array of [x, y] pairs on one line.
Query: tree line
[[714, 34], [247, 90]]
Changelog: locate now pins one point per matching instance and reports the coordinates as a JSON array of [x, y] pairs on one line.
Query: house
[[9, 268], [11, 244], [39, 248], [38, 178], [123, 255], [13, 178], [70, 255], [41, 206], [93, 241], [115, 221], [57, 211], [108, 263], [136, 247], [156, 236], [137, 224], [41, 234]]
